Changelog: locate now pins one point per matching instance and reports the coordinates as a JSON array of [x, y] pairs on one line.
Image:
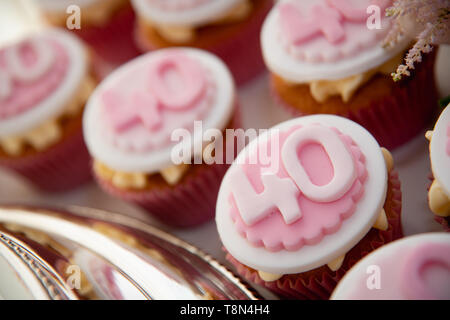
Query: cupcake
[[151, 127], [439, 191], [45, 82], [106, 25], [304, 202], [228, 28], [326, 56], [414, 268]]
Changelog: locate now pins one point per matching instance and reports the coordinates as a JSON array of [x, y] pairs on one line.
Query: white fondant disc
[[218, 116], [55, 104], [282, 63], [332, 246], [346, 285]]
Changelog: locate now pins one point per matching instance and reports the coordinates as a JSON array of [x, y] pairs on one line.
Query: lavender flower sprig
[[427, 20]]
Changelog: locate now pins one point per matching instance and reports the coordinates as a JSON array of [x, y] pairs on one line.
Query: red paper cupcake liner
[[242, 54], [394, 120], [188, 204], [320, 285], [113, 43], [63, 167], [444, 222]]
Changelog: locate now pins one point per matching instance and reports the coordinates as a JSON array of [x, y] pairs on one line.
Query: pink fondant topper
[[138, 108], [175, 82], [300, 27], [326, 18], [153, 96], [191, 75], [428, 257], [329, 29], [29, 72], [320, 178]]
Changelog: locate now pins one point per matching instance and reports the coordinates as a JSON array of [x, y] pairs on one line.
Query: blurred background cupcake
[[228, 28], [439, 191], [106, 25], [45, 82], [330, 57], [152, 110], [413, 268], [304, 202]]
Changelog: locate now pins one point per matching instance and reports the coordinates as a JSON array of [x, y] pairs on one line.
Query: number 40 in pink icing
[[144, 106], [282, 193], [324, 18]]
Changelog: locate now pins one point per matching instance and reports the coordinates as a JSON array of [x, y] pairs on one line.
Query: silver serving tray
[[80, 253]]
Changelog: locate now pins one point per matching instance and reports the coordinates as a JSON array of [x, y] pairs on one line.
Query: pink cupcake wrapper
[[320, 286], [242, 54], [63, 167], [395, 119]]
